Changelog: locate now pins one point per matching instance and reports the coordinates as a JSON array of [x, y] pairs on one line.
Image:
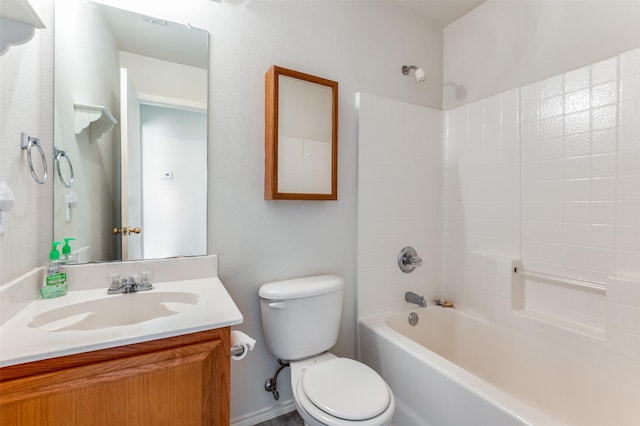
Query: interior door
[[174, 180], [130, 169]]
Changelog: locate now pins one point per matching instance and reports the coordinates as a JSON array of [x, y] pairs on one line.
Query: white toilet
[[300, 320]]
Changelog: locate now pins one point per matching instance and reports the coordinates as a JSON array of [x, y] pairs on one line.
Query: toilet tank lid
[[301, 287]]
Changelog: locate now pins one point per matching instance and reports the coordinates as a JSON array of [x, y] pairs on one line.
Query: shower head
[[419, 72]]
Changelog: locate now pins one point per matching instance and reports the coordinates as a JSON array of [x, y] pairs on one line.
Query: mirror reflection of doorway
[[163, 178], [174, 181]]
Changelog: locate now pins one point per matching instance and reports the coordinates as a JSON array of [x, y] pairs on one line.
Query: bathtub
[[454, 368]]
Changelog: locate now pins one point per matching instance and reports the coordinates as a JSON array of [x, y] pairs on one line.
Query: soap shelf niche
[[97, 117], [18, 21]]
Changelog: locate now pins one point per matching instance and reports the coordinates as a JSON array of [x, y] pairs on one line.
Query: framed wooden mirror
[[301, 136]]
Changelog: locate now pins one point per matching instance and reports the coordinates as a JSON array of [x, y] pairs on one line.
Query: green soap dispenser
[[55, 283], [67, 256]]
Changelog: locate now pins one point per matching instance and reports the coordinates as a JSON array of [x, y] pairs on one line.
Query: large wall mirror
[[301, 136], [130, 137]]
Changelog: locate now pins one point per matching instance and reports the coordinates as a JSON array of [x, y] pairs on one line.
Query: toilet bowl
[[328, 390], [300, 321]]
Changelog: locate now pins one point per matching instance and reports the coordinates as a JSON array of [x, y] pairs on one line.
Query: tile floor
[[289, 419]]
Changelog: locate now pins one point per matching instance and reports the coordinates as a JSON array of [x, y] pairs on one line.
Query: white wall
[[501, 45], [26, 105], [399, 199], [257, 240]]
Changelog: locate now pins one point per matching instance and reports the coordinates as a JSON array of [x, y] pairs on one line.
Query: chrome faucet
[[411, 297], [129, 285]]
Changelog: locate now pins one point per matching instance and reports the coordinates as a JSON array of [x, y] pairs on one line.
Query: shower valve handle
[[408, 259]]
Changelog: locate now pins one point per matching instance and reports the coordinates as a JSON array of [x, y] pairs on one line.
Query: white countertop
[[20, 343]]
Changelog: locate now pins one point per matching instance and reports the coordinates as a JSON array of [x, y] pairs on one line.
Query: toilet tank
[[301, 317]]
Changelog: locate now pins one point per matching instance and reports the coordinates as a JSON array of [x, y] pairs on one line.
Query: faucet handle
[[113, 280], [415, 260], [408, 259], [115, 286], [145, 281]]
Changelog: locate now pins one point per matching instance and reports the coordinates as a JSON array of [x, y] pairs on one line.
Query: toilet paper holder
[[240, 344], [237, 350]]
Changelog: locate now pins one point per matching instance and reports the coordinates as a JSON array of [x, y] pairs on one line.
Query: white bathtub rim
[[501, 399]]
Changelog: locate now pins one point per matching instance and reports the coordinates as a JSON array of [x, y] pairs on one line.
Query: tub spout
[[411, 297]]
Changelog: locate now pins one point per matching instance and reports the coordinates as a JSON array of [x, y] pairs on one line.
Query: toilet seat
[[343, 391]]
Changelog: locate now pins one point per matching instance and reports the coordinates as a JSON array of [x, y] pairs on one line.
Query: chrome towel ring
[[58, 154], [27, 143]]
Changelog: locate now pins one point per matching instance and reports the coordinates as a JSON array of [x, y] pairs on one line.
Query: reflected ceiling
[[147, 36]]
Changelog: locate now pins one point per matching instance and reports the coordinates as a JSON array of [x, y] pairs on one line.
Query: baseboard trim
[[264, 414]]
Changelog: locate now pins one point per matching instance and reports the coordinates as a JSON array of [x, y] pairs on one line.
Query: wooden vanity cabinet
[[181, 380]]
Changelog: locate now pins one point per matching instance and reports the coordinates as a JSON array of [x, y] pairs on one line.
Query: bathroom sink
[[115, 310]]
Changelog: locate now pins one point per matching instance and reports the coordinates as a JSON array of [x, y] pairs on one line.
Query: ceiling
[[439, 12], [178, 43]]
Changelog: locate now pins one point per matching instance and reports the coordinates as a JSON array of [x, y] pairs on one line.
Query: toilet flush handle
[[278, 305]]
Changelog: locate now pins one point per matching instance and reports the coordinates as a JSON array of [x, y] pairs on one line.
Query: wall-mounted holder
[[58, 155], [18, 23], [97, 117], [70, 201], [26, 144], [6, 203]]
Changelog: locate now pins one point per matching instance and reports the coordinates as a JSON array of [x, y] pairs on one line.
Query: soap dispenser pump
[[54, 254], [55, 283], [67, 256]]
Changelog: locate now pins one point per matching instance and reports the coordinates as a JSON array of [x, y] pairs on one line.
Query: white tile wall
[[399, 193], [575, 202], [579, 182], [627, 213], [481, 195], [623, 316]]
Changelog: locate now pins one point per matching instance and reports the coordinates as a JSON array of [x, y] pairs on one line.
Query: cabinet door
[[178, 386]]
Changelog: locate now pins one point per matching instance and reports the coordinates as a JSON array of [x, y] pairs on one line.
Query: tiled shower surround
[[580, 165], [547, 178], [543, 180]]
